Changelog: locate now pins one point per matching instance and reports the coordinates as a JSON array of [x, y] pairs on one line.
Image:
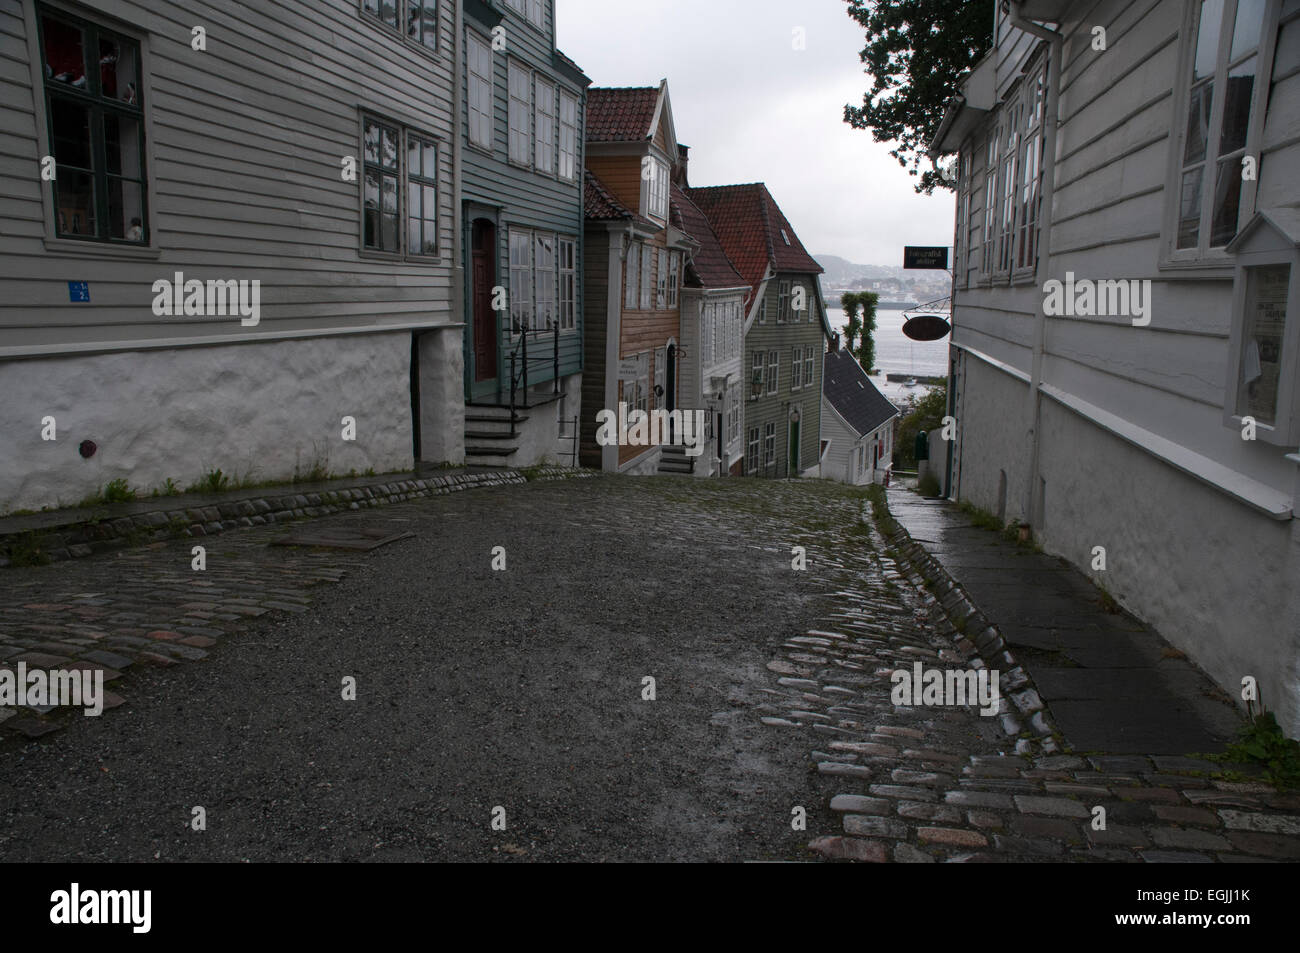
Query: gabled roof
[[621, 114], [753, 231], [850, 391], [709, 264]]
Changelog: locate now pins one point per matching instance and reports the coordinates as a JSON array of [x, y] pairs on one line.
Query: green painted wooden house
[[522, 134]]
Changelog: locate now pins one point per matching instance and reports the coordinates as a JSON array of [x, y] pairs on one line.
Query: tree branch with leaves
[[916, 52]]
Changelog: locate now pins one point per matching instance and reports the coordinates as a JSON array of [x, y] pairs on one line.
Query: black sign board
[[925, 256]]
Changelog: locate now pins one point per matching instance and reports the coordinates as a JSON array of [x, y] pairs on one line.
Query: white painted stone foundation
[[257, 411], [1211, 574]]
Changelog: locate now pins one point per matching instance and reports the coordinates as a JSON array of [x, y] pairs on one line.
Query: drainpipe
[[1055, 42]]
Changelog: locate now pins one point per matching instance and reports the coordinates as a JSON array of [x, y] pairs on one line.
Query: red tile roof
[[598, 203], [709, 263], [620, 114], [749, 226]]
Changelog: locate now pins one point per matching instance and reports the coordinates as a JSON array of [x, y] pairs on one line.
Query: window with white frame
[[544, 127], [796, 368], [568, 135], [707, 318], [751, 455], [773, 370], [1007, 198], [756, 375], [733, 414], [674, 277], [990, 202], [636, 390], [661, 282], [762, 309], [568, 251], [631, 275], [782, 302], [481, 110], [809, 356], [769, 445], [543, 280], [520, 82], [647, 277], [1031, 170], [660, 395], [654, 191], [1221, 120], [521, 280]]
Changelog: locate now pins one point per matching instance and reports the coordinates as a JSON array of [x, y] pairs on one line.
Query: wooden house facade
[[1125, 348], [633, 265], [208, 263], [522, 125]]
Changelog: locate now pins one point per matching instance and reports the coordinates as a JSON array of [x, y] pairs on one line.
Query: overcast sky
[[753, 109]]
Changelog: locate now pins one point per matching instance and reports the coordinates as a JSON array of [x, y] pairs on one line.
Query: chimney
[[679, 168]]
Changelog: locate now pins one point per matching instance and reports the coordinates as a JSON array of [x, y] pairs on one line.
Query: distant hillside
[[899, 282]]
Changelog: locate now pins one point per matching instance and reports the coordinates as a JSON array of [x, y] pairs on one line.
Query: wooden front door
[[483, 262]]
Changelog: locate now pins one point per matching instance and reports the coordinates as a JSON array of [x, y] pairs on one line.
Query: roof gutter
[[1051, 109]]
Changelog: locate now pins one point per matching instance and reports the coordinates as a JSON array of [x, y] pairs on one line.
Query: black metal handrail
[[520, 362]]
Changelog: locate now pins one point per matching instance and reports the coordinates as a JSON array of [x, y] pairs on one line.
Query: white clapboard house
[[857, 423], [1127, 281], [227, 227]]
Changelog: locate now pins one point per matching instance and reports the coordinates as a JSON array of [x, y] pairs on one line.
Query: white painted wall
[[1211, 572], [250, 410]]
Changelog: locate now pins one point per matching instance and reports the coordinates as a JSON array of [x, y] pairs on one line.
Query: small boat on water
[[911, 382]]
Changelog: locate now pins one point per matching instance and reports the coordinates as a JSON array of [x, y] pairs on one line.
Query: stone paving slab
[[1051, 612]]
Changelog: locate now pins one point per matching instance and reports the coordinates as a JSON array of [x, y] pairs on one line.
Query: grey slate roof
[[850, 391]]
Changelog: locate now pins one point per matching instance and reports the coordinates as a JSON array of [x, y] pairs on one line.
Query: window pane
[[371, 213], [122, 145], [430, 161], [370, 142], [413, 164], [1198, 122], [1248, 28], [1236, 106], [1189, 205], [1227, 200], [125, 210], [414, 242], [388, 12], [389, 145], [1207, 39], [118, 74], [390, 195], [391, 224], [65, 53], [1261, 351], [422, 22], [75, 193], [71, 126]]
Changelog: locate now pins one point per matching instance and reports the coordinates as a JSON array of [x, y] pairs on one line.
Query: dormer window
[[654, 189]]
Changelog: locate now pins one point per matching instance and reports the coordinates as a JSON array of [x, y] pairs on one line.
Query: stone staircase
[[491, 435], [674, 460]]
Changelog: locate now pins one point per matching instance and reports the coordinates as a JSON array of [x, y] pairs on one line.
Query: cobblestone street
[[523, 689]]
